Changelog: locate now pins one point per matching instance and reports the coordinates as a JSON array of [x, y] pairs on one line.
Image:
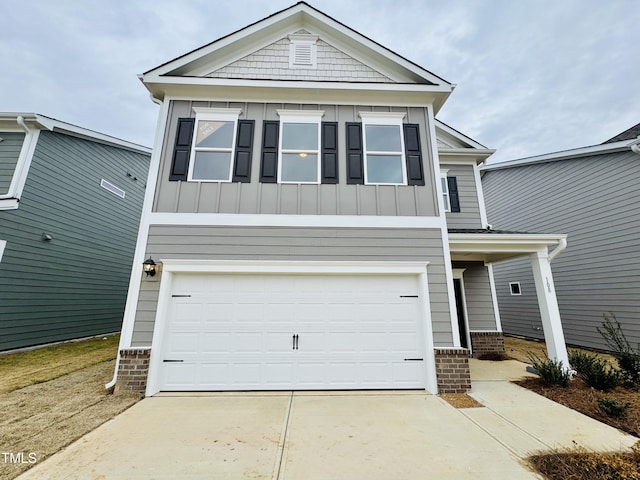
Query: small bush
[[628, 358], [581, 361], [551, 372], [613, 408], [494, 356], [601, 376]]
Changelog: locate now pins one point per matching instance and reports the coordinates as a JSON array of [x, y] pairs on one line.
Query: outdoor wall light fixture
[[149, 267]]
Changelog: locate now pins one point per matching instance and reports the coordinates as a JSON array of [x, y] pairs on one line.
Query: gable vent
[[302, 54], [303, 51]]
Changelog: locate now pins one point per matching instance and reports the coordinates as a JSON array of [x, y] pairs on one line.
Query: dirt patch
[[460, 400], [41, 419]]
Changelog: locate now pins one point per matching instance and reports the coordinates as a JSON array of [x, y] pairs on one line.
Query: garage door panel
[[236, 332]]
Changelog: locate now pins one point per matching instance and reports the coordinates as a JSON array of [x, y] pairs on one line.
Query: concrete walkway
[[360, 435]]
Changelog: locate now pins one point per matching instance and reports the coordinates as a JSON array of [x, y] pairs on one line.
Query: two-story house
[[70, 204], [312, 225]]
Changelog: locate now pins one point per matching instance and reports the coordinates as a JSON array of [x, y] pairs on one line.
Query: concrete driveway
[[370, 435]]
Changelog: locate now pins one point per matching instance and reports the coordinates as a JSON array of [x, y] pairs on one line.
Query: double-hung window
[[384, 153], [213, 144], [299, 146]]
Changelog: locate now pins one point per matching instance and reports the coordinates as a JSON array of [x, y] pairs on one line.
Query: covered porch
[[489, 246]]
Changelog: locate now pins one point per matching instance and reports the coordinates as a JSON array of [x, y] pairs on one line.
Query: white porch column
[[548, 303]]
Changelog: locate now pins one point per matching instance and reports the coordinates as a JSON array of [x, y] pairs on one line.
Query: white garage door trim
[[175, 266]]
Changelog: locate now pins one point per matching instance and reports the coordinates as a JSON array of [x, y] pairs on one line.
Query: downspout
[[562, 244], [635, 148], [20, 121]]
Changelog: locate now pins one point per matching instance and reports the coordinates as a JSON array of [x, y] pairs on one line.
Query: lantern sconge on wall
[[149, 267]]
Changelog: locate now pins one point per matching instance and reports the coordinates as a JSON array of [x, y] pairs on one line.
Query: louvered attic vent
[[303, 51]]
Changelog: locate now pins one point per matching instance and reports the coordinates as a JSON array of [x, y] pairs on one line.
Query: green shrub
[[581, 361], [551, 372], [601, 376], [613, 408], [628, 358]]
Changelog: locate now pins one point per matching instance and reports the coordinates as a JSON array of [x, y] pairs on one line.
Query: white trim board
[[3, 244], [276, 220]]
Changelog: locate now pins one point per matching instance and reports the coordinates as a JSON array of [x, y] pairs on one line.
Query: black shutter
[[182, 150], [329, 152], [269, 164], [454, 200], [415, 173], [355, 165], [244, 147]]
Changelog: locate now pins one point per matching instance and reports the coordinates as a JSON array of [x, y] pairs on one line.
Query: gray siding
[[595, 200], [477, 292], [469, 214], [76, 284], [322, 244], [9, 152], [256, 197]]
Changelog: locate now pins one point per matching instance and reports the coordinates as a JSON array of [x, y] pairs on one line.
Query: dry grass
[[519, 348], [579, 464], [44, 364], [57, 407], [460, 400]]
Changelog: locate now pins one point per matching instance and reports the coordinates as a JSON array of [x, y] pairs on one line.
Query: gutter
[[562, 245]]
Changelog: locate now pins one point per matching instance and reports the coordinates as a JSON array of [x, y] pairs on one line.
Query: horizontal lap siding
[[595, 201], [469, 214], [477, 292], [76, 284], [256, 197], [315, 244], [10, 147]]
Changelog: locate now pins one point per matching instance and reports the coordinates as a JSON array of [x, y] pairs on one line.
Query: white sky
[[533, 76]]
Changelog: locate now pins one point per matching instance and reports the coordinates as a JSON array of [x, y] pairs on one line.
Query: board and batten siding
[[10, 147], [596, 201], [477, 292], [469, 214], [270, 198], [302, 244], [74, 285]]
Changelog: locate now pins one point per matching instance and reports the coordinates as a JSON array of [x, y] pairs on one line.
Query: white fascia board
[[459, 135], [563, 155], [36, 121], [464, 156], [501, 243], [305, 221]]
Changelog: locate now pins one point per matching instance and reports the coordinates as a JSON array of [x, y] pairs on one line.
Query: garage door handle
[[173, 361], [413, 359], [295, 342]]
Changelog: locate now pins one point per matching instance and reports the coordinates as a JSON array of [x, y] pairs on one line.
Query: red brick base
[[484, 343], [133, 370], [452, 370]]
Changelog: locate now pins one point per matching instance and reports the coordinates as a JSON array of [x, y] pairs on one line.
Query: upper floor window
[[445, 190], [384, 153], [213, 146], [299, 146]]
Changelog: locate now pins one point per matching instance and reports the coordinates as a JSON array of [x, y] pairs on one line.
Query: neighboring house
[[314, 226], [593, 195], [70, 203]]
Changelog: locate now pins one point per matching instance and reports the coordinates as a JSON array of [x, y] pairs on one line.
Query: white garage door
[[281, 332]]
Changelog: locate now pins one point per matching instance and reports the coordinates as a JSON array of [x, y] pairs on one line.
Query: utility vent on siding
[[303, 51], [112, 188]]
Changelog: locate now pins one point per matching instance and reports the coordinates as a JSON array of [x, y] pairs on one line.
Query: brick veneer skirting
[[486, 342], [452, 370], [133, 370]]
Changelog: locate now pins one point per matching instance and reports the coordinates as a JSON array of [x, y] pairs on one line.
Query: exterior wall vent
[[112, 188], [303, 51]]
